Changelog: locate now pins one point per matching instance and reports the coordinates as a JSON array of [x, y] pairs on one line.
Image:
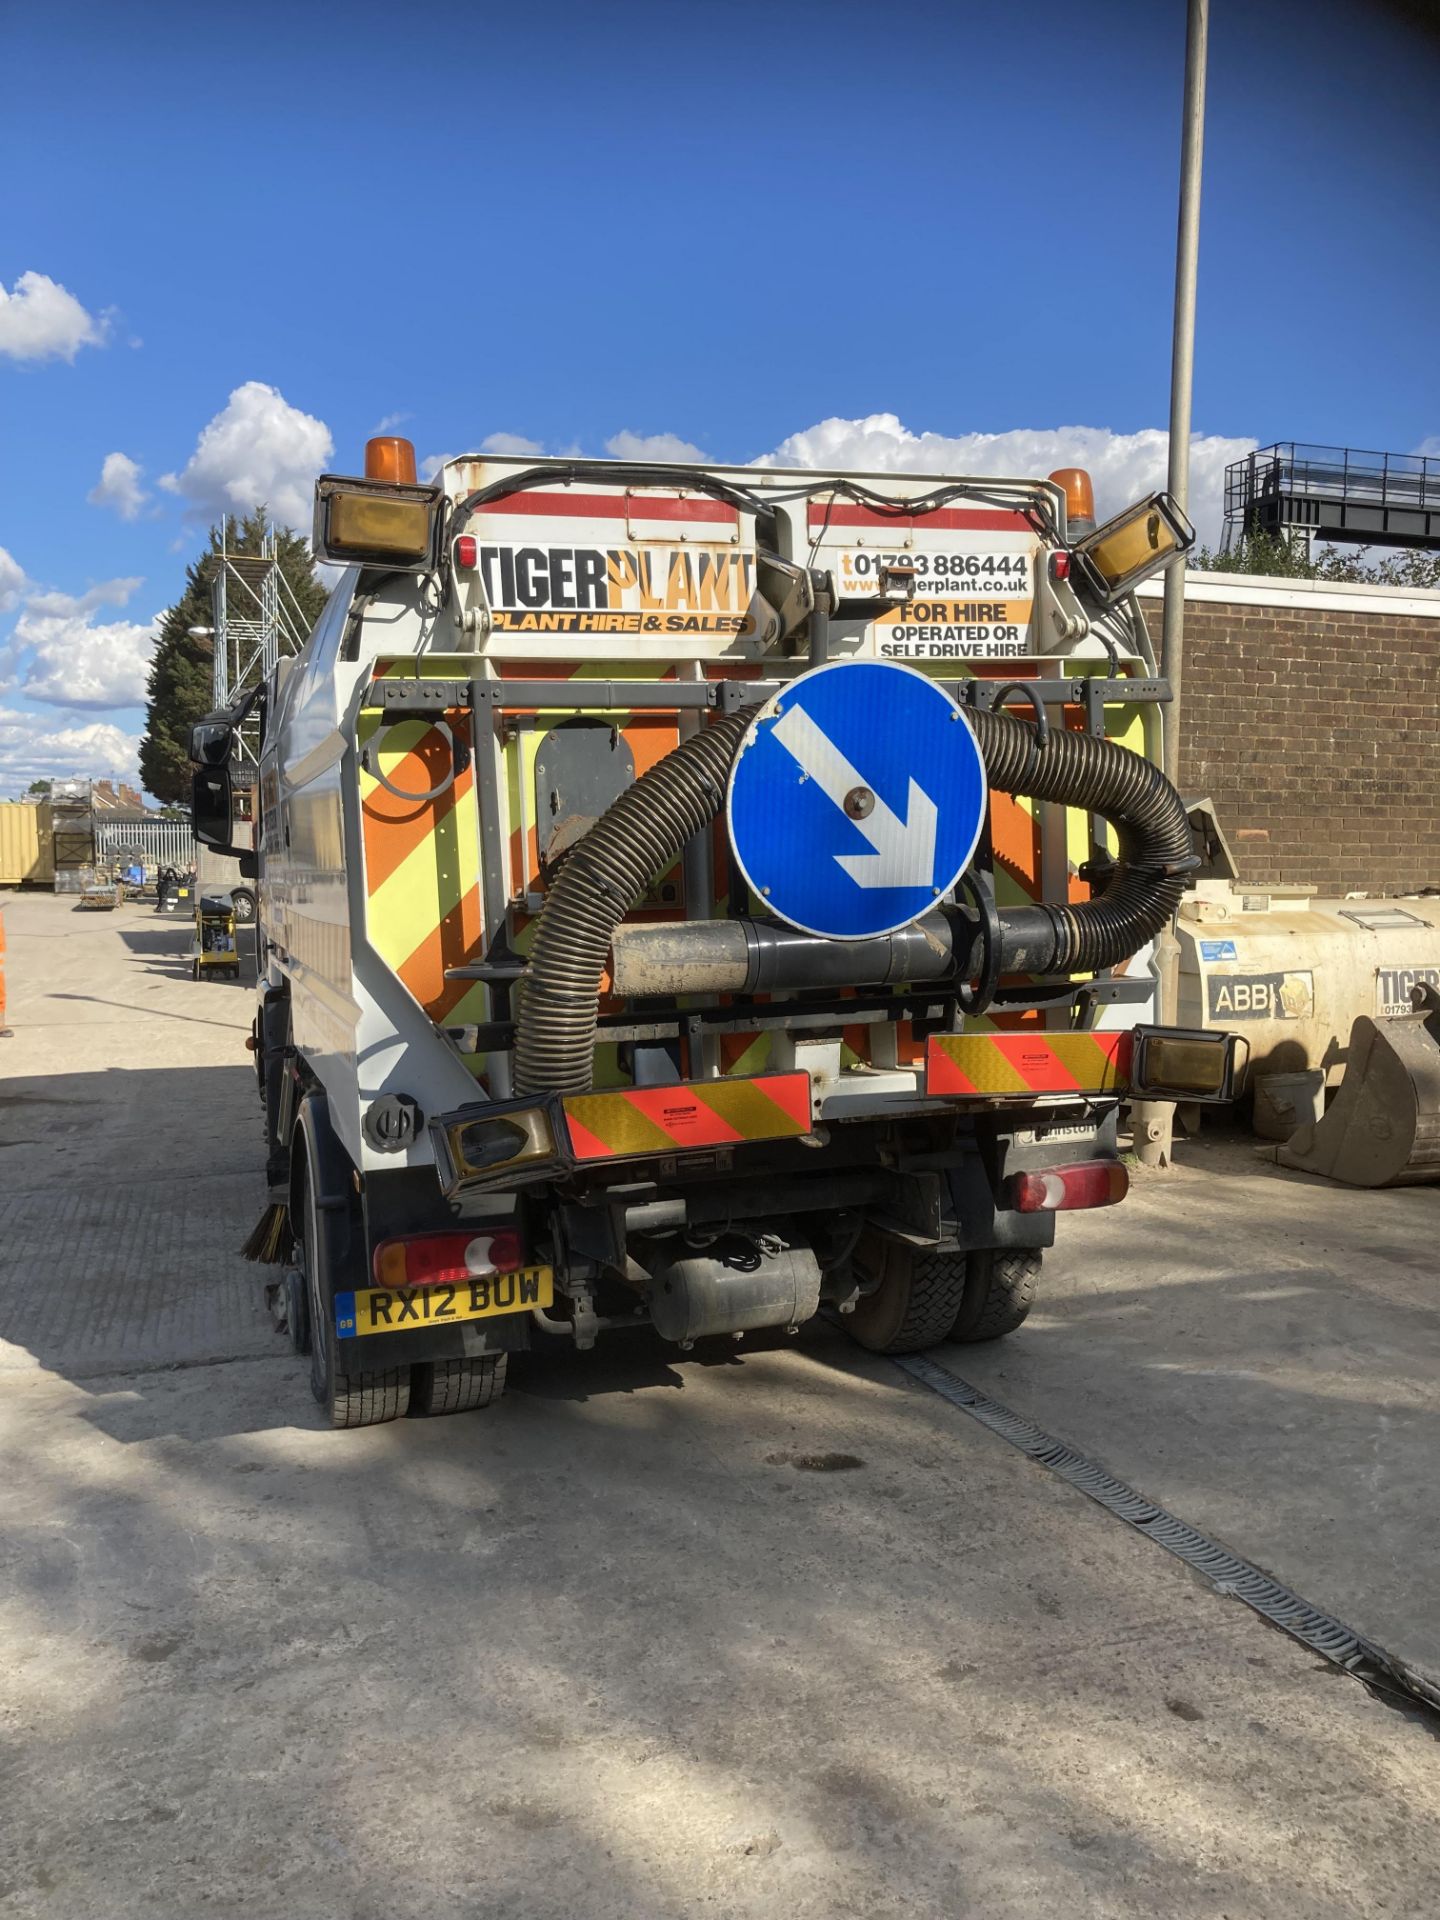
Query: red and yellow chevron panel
[[626, 1121], [1018, 1066]]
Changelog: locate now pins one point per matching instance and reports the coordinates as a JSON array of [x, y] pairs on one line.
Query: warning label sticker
[[964, 606], [1393, 984], [652, 589]]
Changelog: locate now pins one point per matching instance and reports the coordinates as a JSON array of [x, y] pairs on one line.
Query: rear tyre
[[349, 1399], [456, 1386], [242, 902], [999, 1292], [916, 1302]]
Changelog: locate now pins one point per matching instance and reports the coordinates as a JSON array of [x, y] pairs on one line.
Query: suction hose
[[1145, 885], [635, 839], [646, 828]]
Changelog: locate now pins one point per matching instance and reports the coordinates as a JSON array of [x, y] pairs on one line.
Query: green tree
[[182, 671], [1263, 553], [38, 790]]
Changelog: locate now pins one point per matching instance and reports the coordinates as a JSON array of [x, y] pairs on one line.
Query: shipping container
[[25, 850]]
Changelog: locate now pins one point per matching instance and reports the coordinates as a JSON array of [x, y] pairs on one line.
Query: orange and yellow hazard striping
[[1021, 1065], [624, 1122], [422, 863]]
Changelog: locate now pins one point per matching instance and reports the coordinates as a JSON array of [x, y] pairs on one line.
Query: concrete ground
[[767, 1632]]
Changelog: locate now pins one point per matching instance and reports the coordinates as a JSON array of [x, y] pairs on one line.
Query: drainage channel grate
[[1226, 1571]]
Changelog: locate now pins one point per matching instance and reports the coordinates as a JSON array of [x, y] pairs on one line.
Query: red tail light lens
[[446, 1259], [467, 550], [1059, 566], [1093, 1183]]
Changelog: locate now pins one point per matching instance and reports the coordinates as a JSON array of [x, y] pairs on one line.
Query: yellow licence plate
[[406, 1309]]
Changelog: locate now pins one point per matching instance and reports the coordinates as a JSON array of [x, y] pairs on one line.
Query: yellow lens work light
[[502, 1145], [1132, 546], [1184, 1063], [373, 523]]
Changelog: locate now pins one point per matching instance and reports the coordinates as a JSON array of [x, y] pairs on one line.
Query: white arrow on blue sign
[[856, 800]]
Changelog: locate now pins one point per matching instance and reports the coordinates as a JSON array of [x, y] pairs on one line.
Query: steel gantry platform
[[1292, 491]]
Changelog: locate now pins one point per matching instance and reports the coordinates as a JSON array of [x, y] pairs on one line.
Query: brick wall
[[1311, 717]]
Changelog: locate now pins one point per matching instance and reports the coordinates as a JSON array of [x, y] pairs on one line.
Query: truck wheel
[[349, 1399], [917, 1301], [999, 1292], [457, 1386], [242, 902]]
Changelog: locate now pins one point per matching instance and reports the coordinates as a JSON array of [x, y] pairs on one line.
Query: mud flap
[[1383, 1129]]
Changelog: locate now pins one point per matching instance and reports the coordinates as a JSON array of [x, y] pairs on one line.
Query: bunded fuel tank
[[1291, 972]]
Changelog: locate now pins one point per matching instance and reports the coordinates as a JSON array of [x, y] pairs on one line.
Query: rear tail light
[[1059, 566], [446, 1259], [1093, 1183], [467, 551]]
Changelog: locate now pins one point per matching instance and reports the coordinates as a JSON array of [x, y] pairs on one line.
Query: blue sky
[[848, 232]]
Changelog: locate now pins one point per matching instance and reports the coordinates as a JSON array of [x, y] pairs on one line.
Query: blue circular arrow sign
[[856, 799]]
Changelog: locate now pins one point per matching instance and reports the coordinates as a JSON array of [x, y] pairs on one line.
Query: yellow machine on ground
[[690, 896], [214, 954]]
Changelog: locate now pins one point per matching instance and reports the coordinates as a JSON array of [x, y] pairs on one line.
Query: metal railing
[[1291, 468]]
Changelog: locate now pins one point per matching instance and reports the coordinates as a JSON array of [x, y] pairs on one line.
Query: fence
[[158, 843]]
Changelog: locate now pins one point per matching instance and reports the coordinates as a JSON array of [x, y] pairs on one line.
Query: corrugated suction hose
[[632, 842], [643, 831], [1144, 887]]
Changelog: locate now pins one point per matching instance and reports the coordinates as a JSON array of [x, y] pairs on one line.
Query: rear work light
[[1185, 1063], [376, 523], [1092, 1183], [508, 1142], [446, 1259], [1128, 549]]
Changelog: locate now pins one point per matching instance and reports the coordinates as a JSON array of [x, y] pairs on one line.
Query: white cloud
[[12, 581], [626, 445], [1124, 466], [512, 445], [258, 450], [119, 486], [105, 593], [41, 320], [59, 654], [91, 749], [1429, 447], [389, 422], [431, 465]]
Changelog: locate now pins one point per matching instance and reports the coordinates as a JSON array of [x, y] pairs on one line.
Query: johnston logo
[[655, 590]]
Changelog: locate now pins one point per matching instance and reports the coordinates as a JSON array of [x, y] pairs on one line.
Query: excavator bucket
[[1383, 1129]]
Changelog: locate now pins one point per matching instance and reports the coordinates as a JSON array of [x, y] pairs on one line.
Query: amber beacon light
[[388, 457], [1075, 483]]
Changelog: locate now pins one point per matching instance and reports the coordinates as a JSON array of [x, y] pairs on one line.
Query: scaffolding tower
[[257, 620]]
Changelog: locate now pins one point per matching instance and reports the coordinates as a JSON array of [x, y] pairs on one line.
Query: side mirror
[[212, 807], [210, 743]]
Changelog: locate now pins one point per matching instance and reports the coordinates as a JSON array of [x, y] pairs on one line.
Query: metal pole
[[1182, 356], [1154, 1119]]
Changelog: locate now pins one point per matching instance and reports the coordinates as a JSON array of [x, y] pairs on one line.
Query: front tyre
[[349, 1399], [915, 1295], [1000, 1290]]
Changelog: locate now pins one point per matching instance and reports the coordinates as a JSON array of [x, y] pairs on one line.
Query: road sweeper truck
[[698, 897]]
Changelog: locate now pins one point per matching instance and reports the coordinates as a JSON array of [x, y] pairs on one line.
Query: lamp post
[[1154, 1119]]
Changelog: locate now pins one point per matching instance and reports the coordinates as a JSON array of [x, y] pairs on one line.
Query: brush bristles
[[269, 1238]]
